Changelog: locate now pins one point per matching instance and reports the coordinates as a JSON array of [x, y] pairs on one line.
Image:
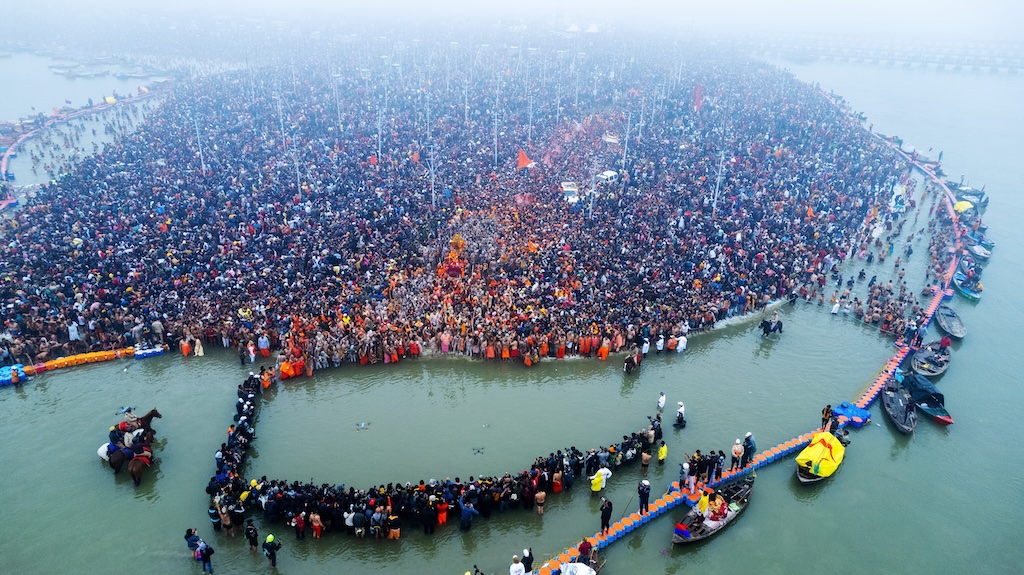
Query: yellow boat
[[820, 459]]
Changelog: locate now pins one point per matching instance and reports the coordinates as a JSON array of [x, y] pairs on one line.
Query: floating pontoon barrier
[[26, 371]]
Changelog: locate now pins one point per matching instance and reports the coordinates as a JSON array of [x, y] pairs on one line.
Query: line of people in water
[[357, 263], [383, 511]]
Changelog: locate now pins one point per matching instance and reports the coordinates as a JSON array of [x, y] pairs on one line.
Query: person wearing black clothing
[[429, 516], [644, 492], [749, 449], [527, 559], [214, 516], [606, 515], [252, 534], [270, 548]]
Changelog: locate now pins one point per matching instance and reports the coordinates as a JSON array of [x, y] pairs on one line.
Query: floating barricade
[[149, 352], [26, 371]]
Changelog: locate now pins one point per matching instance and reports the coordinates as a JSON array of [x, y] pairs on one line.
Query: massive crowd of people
[[305, 214]]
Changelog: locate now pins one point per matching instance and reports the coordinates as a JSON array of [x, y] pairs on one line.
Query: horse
[[119, 456], [631, 362], [137, 465], [145, 420], [119, 440], [769, 327]]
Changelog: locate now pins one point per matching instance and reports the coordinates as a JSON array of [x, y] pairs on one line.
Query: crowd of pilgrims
[[893, 304], [298, 221], [382, 511]]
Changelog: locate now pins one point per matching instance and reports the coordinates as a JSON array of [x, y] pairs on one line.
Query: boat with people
[[927, 398], [719, 510], [980, 239], [931, 359], [967, 265], [821, 458], [899, 405], [949, 321], [969, 287]]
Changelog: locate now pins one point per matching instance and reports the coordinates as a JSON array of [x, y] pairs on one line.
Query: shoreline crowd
[[359, 262]]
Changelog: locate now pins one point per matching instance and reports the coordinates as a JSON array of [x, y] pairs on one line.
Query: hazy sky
[[956, 20]]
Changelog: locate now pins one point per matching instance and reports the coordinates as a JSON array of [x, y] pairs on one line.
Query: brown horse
[[137, 465], [145, 420], [118, 457]]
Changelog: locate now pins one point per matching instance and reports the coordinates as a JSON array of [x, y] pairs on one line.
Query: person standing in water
[[270, 549]]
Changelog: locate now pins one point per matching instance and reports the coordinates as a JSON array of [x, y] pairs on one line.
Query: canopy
[[823, 455], [922, 391], [962, 206]]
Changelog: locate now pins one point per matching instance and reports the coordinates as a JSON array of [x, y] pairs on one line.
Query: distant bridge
[[952, 56]]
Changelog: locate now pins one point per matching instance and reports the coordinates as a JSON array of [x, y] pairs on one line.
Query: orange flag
[[523, 162], [416, 157]]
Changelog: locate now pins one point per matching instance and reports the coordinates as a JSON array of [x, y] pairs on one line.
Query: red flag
[[416, 157], [373, 160], [523, 162], [698, 97]]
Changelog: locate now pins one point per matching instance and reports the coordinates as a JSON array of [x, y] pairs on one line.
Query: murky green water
[[944, 500]]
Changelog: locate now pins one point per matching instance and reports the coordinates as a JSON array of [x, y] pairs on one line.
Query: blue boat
[[979, 239], [969, 288]]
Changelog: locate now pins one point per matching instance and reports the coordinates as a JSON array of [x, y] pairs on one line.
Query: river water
[[944, 500]]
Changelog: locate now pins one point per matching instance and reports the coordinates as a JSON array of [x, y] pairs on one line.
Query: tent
[[962, 206], [823, 455]]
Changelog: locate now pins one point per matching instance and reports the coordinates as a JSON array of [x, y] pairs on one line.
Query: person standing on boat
[[585, 549], [826, 416], [944, 343]]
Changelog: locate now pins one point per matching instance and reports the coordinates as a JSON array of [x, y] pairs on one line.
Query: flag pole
[[718, 184]]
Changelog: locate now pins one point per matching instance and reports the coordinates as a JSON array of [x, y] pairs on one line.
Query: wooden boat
[[968, 194], [899, 405], [695, 527], [979, 239], [930, 360], [970, 289], [927, 398], [820, 459], [979, 253], [967, 263], [950, 322]]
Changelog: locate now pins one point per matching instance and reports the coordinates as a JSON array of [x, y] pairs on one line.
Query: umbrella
[[962, 207]]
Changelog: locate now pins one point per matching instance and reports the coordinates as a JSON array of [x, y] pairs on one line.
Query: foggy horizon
[[126, 26]]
